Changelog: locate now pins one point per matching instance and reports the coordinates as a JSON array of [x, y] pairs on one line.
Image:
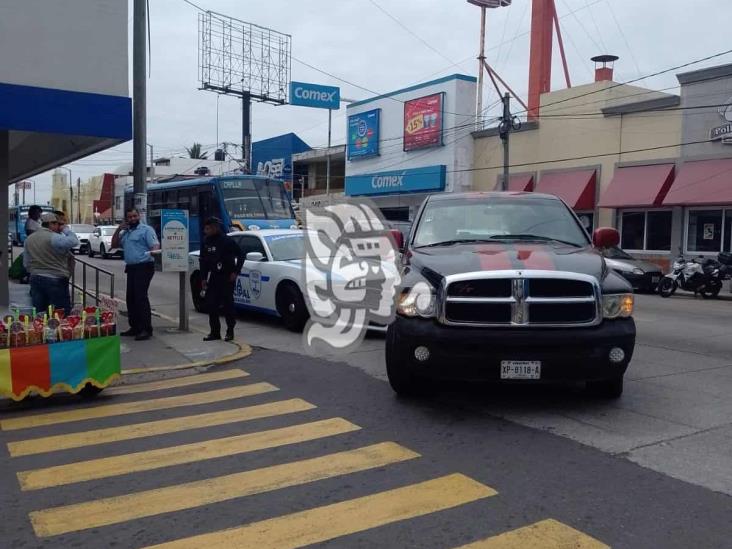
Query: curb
[[243, 350]]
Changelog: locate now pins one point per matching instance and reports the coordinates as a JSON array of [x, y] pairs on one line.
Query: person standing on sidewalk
[[33, 223], [46, 256], [221, 262], [137, 241]]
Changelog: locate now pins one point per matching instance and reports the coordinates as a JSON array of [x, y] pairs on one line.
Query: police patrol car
[[270, 281]]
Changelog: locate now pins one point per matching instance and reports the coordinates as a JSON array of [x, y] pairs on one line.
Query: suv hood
[[438, 262]]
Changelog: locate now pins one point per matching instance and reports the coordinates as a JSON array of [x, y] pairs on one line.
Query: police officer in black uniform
[[221, 261]]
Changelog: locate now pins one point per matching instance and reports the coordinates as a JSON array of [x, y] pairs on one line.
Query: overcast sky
[[359, 43]]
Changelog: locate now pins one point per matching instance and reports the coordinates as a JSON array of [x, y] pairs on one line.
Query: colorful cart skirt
[[67, 367]]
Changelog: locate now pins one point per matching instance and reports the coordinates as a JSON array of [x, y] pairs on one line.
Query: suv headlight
[[617, 305], [417, 301], [638, 271]]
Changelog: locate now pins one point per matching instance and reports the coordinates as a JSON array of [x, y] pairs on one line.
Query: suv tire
[[606, 388]]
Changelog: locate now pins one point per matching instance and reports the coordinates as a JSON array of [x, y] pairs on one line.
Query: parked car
[[644, 276], [83, 233], [100, 242], [508, 287]]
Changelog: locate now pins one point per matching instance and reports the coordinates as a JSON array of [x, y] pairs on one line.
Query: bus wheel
[[196, 292], [291, 306]]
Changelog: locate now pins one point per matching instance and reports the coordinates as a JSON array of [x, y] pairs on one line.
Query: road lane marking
[[176, 382], [153, 428], [175, 455], [545, 534], [123, 408], [113, 510], [343, 518]]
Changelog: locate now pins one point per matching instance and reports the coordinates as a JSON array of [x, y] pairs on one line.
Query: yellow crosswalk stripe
[[176, 455], [152, 428], [343, 518], [114, 410], [103, 512], [175, 382], [545, 534]]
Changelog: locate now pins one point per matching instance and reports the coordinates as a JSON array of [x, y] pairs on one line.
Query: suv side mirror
[[254, 256], [398, 238], [605, 237]]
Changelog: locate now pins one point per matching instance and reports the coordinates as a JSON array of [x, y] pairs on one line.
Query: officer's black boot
[[229, 334], [212, 337]]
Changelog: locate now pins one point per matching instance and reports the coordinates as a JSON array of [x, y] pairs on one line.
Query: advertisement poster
[[174, 240], [363, 134], [708, 231], [423, 122]]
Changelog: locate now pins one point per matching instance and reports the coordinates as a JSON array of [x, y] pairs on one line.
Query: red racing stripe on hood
[[494, 258], [535, 257]]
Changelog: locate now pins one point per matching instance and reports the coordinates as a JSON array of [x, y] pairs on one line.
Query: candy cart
[[51, 352]]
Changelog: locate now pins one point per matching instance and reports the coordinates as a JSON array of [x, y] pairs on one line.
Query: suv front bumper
[[464, 353]]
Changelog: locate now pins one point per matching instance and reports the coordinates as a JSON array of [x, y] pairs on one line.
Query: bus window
[[275, 200], [184, 199], [242, 200], [171, 199]]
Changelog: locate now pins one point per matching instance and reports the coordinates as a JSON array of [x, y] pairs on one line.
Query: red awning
[[576, 188], [638, 186], [521, 182], [704, 182]]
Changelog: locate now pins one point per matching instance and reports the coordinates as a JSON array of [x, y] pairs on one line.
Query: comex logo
[[351, 275], [387, 181], [315, 95]]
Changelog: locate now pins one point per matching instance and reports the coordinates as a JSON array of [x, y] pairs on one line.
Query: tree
[[194, 151]]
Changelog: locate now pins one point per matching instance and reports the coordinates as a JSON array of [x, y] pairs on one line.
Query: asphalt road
[[335, 458]]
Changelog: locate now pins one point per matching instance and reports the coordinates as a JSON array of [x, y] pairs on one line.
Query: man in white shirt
[[33, 223]]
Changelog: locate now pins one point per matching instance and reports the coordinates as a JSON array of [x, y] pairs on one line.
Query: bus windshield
[[255, 199]]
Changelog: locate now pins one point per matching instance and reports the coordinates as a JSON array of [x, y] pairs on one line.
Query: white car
[[83, 233], [100, 242], [271, 280]]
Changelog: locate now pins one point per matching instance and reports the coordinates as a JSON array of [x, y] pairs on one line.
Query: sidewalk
[[168, 349]]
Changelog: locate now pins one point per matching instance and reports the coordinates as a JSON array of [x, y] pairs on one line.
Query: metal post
[[139, 100], [327, 156], [152, 164], [24, 193], [71, 198], [96, 285], [78, 201], [481, 61], [4, 182], [246, 127], [34, 191], [183, 302], [506, 131]]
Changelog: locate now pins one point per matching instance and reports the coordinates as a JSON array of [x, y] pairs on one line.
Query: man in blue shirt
[[138, 241], [46, 257]]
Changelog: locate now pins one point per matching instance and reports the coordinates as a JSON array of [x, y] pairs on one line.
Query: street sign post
[[174, 244]]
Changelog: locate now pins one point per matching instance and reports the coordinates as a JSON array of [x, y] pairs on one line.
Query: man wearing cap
[[138, 242], [221, 261], [46, 257]]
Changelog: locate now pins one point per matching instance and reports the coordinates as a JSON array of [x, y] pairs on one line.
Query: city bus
[[242, 202], [17, 216]]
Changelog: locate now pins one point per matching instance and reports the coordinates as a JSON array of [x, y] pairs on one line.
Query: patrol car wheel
[[291, 307], [196, 292]]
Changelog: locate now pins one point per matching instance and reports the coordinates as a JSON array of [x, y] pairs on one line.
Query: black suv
[[508, 287]]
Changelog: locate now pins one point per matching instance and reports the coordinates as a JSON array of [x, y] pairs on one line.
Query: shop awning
[[704, 182], [638, 187], [521, 182], [576, 188]]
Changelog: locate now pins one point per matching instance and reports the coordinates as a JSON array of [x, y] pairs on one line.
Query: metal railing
[[83, 287]]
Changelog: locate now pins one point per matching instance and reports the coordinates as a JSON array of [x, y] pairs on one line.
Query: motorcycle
[[699, 276]]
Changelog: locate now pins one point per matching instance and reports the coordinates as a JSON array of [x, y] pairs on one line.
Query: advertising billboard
[[423, 122], [363, 134]]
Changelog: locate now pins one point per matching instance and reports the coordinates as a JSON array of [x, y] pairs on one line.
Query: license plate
[[520, 369], [655, 279]]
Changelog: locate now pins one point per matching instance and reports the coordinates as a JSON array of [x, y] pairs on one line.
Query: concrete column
[[677, 231], [4, 183]]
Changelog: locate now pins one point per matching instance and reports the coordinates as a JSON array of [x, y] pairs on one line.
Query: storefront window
[[650, 230], [633, 229], [704, 231], [658, 230]]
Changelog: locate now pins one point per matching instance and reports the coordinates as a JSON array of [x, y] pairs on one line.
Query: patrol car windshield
[[497, 219], [286, 247], [256, 199]]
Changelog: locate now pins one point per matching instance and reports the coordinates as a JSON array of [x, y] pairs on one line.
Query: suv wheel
[[607, 388], [402, 380], [292, 308], [91, 251], [103, 252]]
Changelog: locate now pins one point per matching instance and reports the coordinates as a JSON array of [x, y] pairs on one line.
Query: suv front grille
[[521, 298]]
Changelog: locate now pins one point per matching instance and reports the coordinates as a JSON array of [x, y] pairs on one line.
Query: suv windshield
[[108, 231], [497, 219], [82, 228]]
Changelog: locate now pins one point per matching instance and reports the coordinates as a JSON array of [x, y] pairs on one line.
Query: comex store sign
[[723, 133], [382, 182]]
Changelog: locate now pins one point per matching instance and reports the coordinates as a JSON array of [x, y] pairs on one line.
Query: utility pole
[[508, 123], [78, 200], [139, 107], [481, 62], [246, 126], [327, 156]]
